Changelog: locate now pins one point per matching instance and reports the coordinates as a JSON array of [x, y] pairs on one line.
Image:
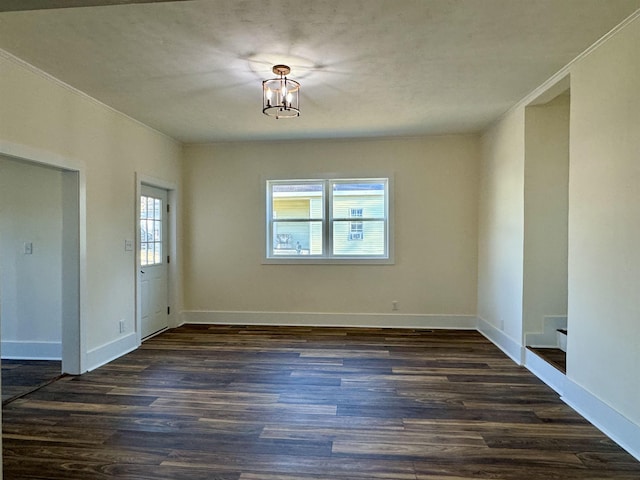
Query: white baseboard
[[20, 350], [620, 429], [111, 350], [508, 345], [608, 420], [545, 371], [458, 322]]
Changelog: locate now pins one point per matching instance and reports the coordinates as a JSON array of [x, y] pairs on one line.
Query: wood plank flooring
[[294, 403], [23, 376], [553, 356]]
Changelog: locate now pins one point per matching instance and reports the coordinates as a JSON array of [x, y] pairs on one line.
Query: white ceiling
[[193, 69]]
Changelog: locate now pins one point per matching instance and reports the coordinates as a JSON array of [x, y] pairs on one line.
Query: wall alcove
[[546, 214]]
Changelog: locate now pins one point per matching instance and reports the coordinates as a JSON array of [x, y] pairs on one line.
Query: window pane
[[297, 238], [357, 226], [356, 199], [143, 231], [158, 253], [297, 200], [148, 228], [150, 231], [143, 207], [157, 209], [368, 238], [149, 208], [157, 231], [143, 254]]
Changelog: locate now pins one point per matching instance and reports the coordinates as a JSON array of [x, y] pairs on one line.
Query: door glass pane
[[158, 253], [157, 231], [150, 231], [157, 213], [143, 208]]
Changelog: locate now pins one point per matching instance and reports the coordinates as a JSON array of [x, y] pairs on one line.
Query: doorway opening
[[39, 273]]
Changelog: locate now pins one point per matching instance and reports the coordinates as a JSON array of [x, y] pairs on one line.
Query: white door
[[154, 250]]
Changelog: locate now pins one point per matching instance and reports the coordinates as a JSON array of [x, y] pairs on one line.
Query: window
[[328, 219], [150, 231]]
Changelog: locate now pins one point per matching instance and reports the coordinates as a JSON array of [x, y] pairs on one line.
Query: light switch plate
[[128, 245], [28, 248]]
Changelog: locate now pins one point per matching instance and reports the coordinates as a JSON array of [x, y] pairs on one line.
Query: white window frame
[[327, 223]]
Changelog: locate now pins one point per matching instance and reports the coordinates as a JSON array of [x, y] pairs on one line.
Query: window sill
[[328, 261]]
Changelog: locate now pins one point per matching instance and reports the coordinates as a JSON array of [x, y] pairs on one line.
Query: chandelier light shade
[[281, 95]]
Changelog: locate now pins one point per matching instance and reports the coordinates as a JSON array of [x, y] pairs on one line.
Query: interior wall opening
[[546, 204], [39, 273]]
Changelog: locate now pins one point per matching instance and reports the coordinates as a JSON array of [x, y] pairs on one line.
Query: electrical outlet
[[121, 325], [395, 306]]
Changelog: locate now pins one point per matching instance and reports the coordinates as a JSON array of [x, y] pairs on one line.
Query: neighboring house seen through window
[[356, 228], [328, 219]]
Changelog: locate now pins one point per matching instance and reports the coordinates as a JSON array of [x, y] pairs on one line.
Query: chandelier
[[280, 96]]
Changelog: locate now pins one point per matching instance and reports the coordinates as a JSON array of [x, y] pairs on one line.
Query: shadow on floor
[[20, 377]]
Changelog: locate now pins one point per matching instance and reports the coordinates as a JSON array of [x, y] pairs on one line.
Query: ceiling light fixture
[[280, 96]]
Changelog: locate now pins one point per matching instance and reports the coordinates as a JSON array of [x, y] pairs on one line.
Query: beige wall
[[435, 228], [603, 229], [604, 223], [459, 215], [47, 120], [501, 226], [546, 211]]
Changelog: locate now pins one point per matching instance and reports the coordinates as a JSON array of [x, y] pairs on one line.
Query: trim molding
[[103, 354], [56, 81], [504, 342], [608, 420], [20, 350], [566, 70], [545, 371], [462, 322]]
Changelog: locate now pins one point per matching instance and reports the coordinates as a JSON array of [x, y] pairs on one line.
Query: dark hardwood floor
[[259, 403], [20, 377], [553, 356]]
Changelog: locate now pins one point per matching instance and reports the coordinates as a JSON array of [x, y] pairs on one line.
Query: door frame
[[74, 254], [173, 294]]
